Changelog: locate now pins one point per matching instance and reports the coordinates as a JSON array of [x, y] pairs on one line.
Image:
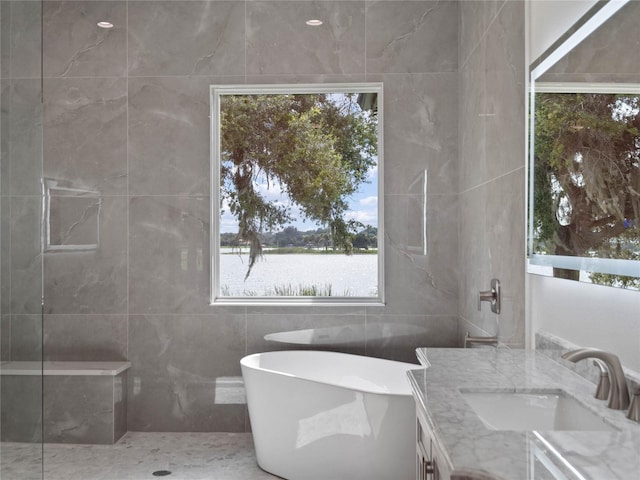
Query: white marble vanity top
[[518, 455]]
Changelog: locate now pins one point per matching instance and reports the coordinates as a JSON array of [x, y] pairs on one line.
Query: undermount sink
[[543, 410]]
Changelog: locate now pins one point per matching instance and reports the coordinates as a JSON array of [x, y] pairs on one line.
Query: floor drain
[[161, 473]]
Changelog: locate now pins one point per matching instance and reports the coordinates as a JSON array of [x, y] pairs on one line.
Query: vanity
[[502, 414]]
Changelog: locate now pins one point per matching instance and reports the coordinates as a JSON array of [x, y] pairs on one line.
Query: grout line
[[245, 41], [253, 75], [127, 200], [366, 332], [10, 193], [366, 71], [482, 37], [492, 180]]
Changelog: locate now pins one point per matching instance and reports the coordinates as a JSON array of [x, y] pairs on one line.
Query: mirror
[[297, 194], [584, 152]]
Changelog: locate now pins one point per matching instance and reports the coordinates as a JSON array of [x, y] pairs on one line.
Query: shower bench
[[64, 402]]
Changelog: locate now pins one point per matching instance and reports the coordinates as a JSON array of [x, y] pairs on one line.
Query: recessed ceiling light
[[314, 22], [105, 24]]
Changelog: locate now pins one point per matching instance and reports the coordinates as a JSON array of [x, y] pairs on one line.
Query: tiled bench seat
[[84, 402]]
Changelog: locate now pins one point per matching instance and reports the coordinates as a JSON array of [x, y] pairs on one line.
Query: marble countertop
[[518, 455]]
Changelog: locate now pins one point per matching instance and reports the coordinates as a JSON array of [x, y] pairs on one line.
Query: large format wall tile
[[475, 18], [473, 258], [472, 119], [506, 249], [5, 255], [169, 134], [91, 281], [296, 78], [288, 330], [21, 39], [156, 167], [279, 41], [183, 372], [416, 283], [22, 130], [412, 36], [26, 338], [181, 347], [505, 86], [5, 144], [182, 407], [85, 337], [78, 409], [85, 133], [74, 46], [21, 407], [420, 131], [492, 159], [159, 43], [25, 256], [5, 39], [396, 337], [5, 337], [169, 254]]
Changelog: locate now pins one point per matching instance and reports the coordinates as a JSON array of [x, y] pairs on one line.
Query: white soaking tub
[[331, 416]]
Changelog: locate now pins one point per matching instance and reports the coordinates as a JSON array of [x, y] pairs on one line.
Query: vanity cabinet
[[429, 463]]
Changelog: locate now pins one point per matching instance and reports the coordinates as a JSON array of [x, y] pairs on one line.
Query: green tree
[[586, 175], [366, 238], [289, 236], [318, 148]]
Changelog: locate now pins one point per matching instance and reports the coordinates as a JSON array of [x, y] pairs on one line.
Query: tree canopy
[[587, 176], [317, 149]]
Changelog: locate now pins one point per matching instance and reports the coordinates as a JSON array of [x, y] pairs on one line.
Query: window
[[297, 194], [585, 152]]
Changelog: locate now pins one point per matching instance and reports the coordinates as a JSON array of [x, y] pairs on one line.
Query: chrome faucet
[[618, 393]]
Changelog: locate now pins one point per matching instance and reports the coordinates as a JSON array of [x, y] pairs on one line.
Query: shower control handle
[[492, 296]]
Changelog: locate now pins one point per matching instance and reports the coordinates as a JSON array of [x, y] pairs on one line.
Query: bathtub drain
[[161, 473]]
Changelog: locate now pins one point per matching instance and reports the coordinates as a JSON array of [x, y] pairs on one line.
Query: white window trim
[[215, 92]]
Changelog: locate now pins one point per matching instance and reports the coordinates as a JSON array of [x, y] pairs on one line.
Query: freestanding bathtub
[[331, 416]]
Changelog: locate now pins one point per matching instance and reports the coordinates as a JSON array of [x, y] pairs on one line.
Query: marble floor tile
[[188, 456]]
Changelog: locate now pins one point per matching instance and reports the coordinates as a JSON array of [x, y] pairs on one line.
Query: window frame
[[216, 91]]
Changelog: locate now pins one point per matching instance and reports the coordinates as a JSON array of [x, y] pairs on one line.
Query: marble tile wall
[[63, 408], [20, 206], [126, 115], [84, 409], [492, 166], [20, 193]]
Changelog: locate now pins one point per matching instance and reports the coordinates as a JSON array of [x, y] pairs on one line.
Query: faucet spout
[[618, 393]]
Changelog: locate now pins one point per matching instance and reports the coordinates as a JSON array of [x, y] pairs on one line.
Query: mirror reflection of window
[[587, 179], [297, 169], [585, 152]]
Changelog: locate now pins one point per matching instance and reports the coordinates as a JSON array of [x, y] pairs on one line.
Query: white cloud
[[368, 217], [270, 191], [228, 223], [371, 201]]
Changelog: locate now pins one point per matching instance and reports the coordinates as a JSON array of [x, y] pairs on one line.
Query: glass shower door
[[21, 271]]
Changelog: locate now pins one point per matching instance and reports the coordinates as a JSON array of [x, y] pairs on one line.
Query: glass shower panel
[[21, 272]]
